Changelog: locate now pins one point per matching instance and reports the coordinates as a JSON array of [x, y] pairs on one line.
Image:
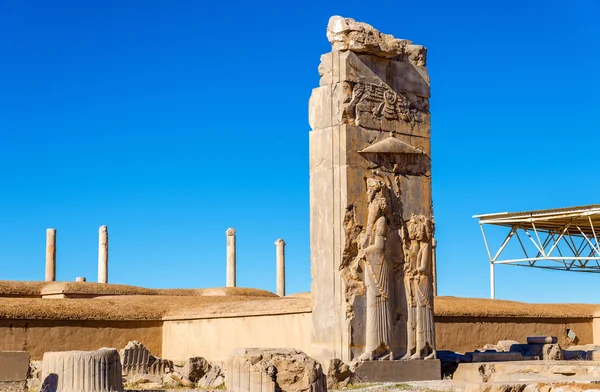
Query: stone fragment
[[144, 378], [209, 379], [348, 34], [184, 382], [338, 375], [505, 345], [137, 359], [274, 369], [195, 368], [82, 371], [34, 378], [171, 380], [14, 369], [541, 339]]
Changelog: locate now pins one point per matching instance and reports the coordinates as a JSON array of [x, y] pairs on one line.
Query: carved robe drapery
[[419, 289], [377, 274]]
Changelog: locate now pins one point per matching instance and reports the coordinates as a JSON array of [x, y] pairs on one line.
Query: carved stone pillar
[[280, 249], [103, 254], [230, 233], [370, 174], [50, 255]]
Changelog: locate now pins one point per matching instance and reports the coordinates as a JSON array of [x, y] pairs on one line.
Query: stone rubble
[[339, 374], [274, 370]]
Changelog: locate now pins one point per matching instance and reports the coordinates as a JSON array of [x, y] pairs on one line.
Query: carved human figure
[[377, 275], [419, 288]]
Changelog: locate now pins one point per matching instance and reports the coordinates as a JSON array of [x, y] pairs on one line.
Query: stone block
[[82, 371], [496, 356], [542, 339], [398, 371], [527, 371], [14, 365], [14, 369], [269, 370]]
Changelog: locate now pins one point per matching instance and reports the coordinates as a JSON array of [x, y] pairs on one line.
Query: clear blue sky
[[172, 121]]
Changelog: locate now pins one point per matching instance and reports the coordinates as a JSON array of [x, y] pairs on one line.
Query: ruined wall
[[39, 336], [215, 338], [464, 334]]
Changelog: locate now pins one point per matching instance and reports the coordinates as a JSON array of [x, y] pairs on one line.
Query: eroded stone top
[[359, 37]]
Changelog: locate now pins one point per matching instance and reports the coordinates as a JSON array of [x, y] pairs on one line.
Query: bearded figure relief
[[377, 274], [418, 274]]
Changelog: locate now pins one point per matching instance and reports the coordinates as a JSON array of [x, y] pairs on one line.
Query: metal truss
[[564, 239]]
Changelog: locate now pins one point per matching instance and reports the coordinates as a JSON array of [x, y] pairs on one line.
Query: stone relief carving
[[418, 284], [379, 101], [377, 274]]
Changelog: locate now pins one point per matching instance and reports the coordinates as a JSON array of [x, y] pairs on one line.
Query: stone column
[[50, 255], [280, 249], [370, 174], [230, 233], [82, 371], [103, 254]]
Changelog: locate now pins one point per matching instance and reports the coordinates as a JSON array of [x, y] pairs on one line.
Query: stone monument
[[370, 198]]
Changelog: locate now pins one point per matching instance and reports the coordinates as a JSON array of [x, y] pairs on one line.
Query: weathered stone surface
[[398, 371], [541, 339], [137, 359], [527, 371], [195, 368], [505, 345], [273, 369], [338, 374], [14, 365], [214, 378], [359, 37], [34, 378], [496, 387], [372, 222], [82, 371], [14, 370], [496, 356]]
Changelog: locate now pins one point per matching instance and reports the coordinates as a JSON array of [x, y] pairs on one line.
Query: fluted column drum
[[82, 371]]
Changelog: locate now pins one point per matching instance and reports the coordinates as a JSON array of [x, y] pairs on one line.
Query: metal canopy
[[558, 239]]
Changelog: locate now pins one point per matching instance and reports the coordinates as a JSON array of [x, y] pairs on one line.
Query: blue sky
[[172, 121]]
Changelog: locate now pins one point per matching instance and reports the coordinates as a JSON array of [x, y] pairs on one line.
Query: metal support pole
[[434, 265], [492, 281]]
